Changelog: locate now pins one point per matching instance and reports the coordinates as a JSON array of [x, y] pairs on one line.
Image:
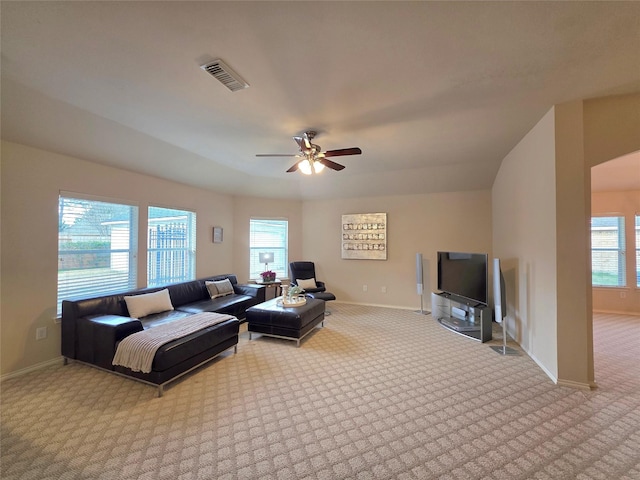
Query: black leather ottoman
[[291, 323]]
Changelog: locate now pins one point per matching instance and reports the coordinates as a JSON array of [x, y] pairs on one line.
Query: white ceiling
[[435, 93]]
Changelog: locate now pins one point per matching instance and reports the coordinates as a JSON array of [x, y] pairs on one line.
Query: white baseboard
[[617, 312], [526, 350], [32, 368], [398, 307], [577, 385], [542, 367]]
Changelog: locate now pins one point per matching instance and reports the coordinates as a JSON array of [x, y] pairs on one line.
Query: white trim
[[617, 312], [398, 307], [577, 385], [542, 367], [32, 368]]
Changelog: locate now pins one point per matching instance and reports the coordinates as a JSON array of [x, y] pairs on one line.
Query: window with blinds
[[171, 246], [637, 250], [269, 236], [608, 266], [96, 248]]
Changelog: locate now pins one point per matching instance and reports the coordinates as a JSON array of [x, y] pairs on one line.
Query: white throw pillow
[[307, 283], [148, 303], [211, 288], [224, 287]]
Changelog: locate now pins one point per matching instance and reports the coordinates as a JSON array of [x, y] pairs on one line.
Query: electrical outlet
[[41, 333], [623, 294], [383, 289], [364, 288]]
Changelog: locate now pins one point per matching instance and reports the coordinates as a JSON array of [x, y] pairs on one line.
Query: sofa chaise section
[[92, 328]]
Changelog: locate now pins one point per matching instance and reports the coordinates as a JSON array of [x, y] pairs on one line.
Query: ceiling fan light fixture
[[305, 167], [309, 167]]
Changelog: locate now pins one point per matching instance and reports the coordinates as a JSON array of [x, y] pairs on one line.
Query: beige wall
[[611, 127], [623, 299], [31, 182], [524, 222], [459, 221]]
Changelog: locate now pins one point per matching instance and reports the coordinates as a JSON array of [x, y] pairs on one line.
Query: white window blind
[[608, 266], [96, 248], [269, 236], [171, 246]]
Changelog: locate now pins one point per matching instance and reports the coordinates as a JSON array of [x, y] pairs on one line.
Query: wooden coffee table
[[291, 323]]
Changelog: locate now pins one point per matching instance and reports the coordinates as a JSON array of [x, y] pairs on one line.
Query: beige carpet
[[377, 394]]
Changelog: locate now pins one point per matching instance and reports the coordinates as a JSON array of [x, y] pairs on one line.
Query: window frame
[[72, 284], [619, 250], [636, 233], [281, 251], [159, 271]]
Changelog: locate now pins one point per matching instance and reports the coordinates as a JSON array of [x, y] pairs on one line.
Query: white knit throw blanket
[[138, 350]]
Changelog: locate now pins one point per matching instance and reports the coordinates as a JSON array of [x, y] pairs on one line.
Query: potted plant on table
[[268, 276], [292, 294]]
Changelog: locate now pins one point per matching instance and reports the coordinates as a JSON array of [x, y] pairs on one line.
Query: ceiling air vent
[[225, 75]]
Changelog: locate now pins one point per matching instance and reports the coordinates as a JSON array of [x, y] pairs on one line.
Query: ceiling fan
[[312, 159]]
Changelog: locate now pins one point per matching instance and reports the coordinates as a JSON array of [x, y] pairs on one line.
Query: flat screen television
[[464, 275]]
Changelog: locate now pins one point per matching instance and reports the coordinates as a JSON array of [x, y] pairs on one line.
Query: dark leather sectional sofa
[[92, 328]]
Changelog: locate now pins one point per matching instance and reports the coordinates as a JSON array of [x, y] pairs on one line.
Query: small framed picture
[[217, 234]]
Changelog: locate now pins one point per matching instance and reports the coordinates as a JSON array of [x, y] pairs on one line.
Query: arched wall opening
[[615, 203]]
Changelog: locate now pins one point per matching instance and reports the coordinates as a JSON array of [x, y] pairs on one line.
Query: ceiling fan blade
[[293, 168], [276, 154], [330, 164], [343, 151]]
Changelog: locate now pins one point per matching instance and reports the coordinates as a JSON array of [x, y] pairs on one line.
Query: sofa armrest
[[100, 334], [251, 289]]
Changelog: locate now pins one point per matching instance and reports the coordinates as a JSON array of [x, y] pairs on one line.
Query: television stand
[[473, 320]]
